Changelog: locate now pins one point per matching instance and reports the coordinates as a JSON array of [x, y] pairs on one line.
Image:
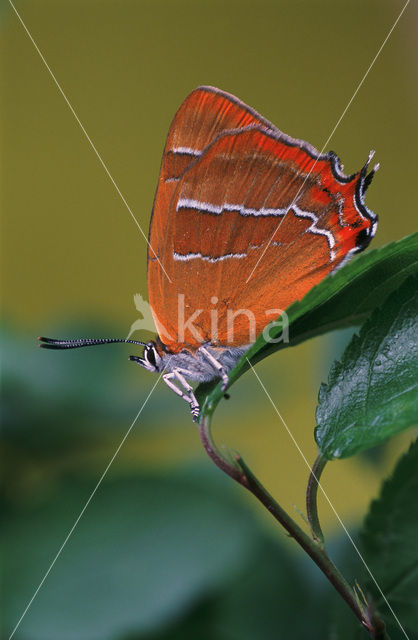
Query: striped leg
[[187, 394], [217, 365]]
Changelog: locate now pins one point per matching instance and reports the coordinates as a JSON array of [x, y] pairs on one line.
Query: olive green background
[[72, 256]]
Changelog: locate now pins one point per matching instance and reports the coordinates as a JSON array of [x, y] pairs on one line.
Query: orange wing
[[252, 196], [203, 115]]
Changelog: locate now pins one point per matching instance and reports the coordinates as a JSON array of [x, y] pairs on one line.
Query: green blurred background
[[168, 548]]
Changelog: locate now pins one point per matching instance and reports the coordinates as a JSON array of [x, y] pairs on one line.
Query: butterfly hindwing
[[251, 195]]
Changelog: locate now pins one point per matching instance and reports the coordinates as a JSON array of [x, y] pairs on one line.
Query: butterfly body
[[246, 220], [199, 365], [197, 362]]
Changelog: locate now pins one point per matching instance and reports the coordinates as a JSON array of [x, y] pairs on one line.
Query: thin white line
[[186, 150], [330, 136], [187, 203], [86, 134], [327, 498], [84, 508], [185, 257], [316, 230]]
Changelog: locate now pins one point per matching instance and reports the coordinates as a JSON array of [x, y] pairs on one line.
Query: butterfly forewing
[[202, 116]]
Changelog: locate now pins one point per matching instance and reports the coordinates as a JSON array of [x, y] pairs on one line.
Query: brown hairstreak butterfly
[[245, 220]]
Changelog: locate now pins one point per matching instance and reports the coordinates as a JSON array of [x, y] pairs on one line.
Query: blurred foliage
[[152, 553], [156, 555], [57, 412], [148, 548], [148, 553]]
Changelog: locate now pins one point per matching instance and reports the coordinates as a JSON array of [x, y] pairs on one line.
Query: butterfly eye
[[149, 355]]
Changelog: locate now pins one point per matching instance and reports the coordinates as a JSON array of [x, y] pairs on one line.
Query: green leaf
[[343, 299], [389, 540], [373, 392], [144, 551]]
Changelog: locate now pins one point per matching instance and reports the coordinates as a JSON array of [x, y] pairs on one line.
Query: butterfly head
[[151, 359]]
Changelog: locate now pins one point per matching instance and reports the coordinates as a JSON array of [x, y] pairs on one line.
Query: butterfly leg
[[217, 365], [187, 394]]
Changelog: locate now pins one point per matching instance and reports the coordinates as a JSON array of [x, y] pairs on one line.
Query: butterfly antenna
[[52, 343]]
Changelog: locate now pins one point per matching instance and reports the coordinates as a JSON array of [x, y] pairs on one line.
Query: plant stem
[[315, 551], [311, 499], [214, 454], [244, 476]]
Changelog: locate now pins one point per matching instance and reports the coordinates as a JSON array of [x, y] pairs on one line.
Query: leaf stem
[[312, 496], [242, 474], [214, 454]]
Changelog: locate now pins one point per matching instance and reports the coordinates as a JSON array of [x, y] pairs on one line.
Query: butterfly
[[246, 220]]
